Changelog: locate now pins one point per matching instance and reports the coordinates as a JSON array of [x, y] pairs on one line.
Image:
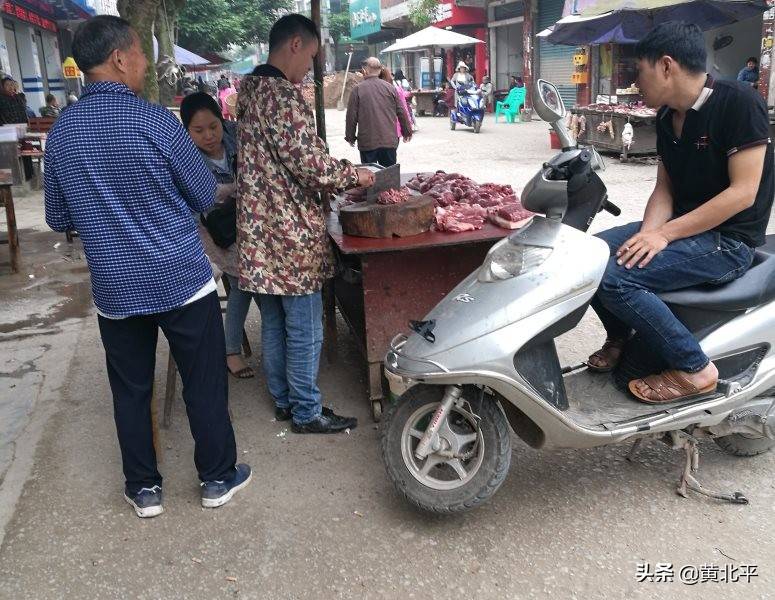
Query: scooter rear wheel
[[452, 125], [439, 483], [738, 444]]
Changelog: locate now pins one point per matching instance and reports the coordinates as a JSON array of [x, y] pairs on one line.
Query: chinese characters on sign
[[364, 18], [29, 16], [70, 69], [692, 575]]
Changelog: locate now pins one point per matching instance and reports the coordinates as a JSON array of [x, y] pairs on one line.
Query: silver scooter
[[483, 361]]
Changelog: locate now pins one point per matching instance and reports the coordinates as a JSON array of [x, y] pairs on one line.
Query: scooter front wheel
[[477, 126], [452, 125], [469, 465]]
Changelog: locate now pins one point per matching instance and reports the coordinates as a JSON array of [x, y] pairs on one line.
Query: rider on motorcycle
[[707, 213]]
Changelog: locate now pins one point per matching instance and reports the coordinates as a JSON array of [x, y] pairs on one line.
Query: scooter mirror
[[551, 108], [549, 104]]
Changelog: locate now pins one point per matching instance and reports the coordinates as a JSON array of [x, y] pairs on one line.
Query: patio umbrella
[[627, 21], [431, 37]]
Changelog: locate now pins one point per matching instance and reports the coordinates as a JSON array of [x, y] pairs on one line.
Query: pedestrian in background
[[284, 252], [51, 109], [487, 91], [125, 175], [217, 141], [750, 72], [386, 75], [371, 117], [11, 107]]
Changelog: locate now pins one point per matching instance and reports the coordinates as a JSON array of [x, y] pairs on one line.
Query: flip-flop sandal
[[669, 386], [602, 355], [244, 373]]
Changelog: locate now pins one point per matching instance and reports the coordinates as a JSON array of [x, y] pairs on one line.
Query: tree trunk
[[141, 14], [164, 30]]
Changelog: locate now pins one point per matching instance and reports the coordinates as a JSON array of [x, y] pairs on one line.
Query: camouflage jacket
[[283, 165]]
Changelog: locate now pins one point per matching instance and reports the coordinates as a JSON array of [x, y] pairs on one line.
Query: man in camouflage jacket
[[284, 252]]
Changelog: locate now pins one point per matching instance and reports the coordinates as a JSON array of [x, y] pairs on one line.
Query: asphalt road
[[320, 519]]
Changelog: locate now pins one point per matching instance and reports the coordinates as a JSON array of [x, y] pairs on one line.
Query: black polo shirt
[[727, 118], [268, 70]]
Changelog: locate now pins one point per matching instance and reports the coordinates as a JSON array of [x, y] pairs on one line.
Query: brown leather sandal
[[605, 355], [669, 386]]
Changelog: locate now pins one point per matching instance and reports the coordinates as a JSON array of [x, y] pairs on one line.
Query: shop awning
[[431, 37], [182, 56], [627, 21]]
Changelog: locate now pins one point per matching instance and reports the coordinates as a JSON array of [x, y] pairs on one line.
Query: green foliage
[[214, 25], [339, 23], [422, 12]]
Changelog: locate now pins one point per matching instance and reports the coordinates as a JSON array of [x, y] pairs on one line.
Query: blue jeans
[[237, 308], [626, 299], [291, 339]]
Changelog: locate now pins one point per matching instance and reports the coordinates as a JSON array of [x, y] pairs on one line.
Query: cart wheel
[[376, 410]]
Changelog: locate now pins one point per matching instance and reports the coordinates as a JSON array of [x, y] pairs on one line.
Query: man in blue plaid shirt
[[124, 174]]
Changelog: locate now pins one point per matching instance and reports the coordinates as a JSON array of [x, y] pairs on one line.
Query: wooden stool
[[6, 197], [172, 368]]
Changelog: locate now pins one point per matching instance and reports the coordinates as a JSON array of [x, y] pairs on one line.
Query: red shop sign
[[28, 16]]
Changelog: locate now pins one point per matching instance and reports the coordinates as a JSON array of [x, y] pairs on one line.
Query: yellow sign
[[579, 60], [579, 78], [70, 69]]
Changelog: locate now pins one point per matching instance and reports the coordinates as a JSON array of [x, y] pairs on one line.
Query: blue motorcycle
[[470, 108]]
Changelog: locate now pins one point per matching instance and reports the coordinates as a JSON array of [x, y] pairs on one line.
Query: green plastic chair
[[511, 104]]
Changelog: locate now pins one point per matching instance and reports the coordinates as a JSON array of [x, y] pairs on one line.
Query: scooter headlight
[[507, 260]]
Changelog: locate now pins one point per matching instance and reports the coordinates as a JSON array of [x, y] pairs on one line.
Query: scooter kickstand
[[689, 481], [634, 450]]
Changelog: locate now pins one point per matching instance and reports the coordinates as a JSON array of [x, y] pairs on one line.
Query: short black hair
[[97, 38], [752, 59], [50, 98], [193, 103], [289, 26], [681, 41]]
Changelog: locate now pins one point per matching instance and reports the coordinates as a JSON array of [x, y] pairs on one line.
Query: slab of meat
[[460, 217], [514, 212], [394, 196], [454, 193]]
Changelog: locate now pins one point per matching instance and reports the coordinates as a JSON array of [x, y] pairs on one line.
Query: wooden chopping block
[[369, 219]]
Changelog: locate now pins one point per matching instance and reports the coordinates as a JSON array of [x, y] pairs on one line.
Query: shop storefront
[[30, 45], [506, 21], [555, 62], [469, 21]]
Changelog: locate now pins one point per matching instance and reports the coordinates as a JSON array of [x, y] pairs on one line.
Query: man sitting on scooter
[[707, 213]]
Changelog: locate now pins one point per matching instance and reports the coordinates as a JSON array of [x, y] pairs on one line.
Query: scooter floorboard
[[595, 401]]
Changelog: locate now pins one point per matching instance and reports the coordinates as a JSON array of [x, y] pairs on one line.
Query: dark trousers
[[627, 298], [382, 156], [195, 336]]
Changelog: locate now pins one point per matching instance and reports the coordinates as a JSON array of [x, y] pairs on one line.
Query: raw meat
[[394, 196], [460, 217], [456, 196], [514, 212]]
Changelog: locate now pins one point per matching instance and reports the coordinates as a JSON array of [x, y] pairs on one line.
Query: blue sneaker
[[218, 493], [146, 502]]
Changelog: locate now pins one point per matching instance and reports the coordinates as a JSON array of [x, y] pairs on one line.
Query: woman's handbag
[[221, 223]]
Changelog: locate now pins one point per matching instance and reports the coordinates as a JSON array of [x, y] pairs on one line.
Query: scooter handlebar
[[611, 208]]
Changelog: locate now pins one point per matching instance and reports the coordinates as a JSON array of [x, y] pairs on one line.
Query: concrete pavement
[[320, 519]]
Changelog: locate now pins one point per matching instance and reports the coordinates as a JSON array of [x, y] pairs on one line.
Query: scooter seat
[[754, 288]]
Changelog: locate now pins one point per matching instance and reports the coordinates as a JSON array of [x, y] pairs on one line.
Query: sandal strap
[[670, 385]]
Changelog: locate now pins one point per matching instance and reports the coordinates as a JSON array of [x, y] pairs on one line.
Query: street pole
[[340, 106], [320, 111], [527, 52]]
